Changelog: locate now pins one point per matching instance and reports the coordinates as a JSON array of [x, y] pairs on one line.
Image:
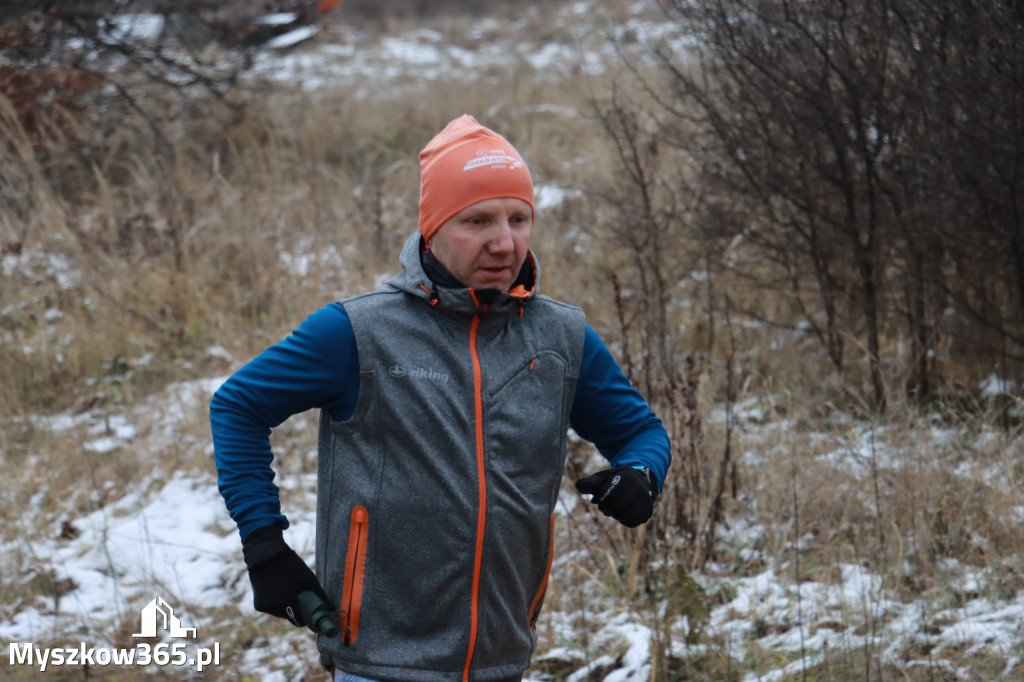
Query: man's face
[[484, 245]]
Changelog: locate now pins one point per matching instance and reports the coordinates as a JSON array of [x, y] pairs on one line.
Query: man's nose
[[501, 239]]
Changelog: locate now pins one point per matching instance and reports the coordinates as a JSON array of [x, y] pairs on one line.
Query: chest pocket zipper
[[355, 567]]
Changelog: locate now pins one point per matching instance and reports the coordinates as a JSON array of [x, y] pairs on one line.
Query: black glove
[[624, 493], [278, 575]]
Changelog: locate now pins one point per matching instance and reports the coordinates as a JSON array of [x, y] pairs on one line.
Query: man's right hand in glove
[[278, 575]]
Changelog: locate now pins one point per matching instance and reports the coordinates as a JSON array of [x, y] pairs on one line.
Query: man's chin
[[497, 286], [501, 283]]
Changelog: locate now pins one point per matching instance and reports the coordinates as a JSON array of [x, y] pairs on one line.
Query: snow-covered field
[[171, 537], [588, 44]]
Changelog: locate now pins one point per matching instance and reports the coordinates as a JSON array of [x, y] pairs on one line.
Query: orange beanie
[[464, 164]]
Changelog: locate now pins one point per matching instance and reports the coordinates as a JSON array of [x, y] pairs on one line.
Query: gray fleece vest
[[435, 499]]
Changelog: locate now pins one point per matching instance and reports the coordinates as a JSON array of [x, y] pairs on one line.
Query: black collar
[[437, 272]]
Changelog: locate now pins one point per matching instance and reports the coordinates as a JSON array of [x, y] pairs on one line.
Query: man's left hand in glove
[[625, 493]]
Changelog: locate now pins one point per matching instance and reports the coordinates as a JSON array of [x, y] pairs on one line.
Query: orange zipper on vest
[[547, 573], [481, 514], [355, 567]]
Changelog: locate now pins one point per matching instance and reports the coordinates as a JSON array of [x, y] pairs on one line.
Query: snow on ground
[[169, 537], [768, 602], [173, 543], [38, 266], [347, 55]]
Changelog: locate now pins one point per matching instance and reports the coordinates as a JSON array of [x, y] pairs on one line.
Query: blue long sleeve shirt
[[317, 367]]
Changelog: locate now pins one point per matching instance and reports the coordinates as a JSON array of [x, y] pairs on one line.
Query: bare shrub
[[835, 129]]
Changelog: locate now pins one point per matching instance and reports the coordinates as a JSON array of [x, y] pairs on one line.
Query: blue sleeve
[[611, 414], [315, 367]]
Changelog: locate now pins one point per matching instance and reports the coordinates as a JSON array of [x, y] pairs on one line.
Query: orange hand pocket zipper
[[355, 566]]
